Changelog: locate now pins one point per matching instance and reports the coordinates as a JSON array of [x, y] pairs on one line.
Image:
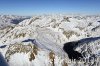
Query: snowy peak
[[10, 20], [43, 37]]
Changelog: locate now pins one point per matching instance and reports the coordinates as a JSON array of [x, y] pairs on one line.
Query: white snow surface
[[50, 32]]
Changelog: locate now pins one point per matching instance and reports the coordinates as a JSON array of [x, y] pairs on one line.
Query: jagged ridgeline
[[50, 40]]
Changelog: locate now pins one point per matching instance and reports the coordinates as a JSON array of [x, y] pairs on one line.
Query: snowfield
[[50, 40]]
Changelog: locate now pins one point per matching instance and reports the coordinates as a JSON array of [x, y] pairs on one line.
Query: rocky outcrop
[[51, 40]]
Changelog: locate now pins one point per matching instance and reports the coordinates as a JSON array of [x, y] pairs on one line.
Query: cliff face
[[40, 41], [30, 55]]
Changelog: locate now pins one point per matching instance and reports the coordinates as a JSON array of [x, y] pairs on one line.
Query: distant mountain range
[[50, 40]]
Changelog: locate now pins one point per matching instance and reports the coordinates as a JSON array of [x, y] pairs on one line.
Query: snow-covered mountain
[[10, 20], [52, 40]]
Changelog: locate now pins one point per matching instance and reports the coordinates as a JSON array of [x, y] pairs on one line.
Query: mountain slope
[[49, 33]]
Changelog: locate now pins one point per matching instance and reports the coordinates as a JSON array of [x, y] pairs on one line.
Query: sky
[[30, 7]]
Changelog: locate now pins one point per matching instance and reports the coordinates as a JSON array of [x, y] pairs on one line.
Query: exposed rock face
[[52, 40], [32, 53], [69, 49], [20, 48]]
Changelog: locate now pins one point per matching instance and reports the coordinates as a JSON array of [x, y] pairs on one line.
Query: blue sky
[[30, 7]]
